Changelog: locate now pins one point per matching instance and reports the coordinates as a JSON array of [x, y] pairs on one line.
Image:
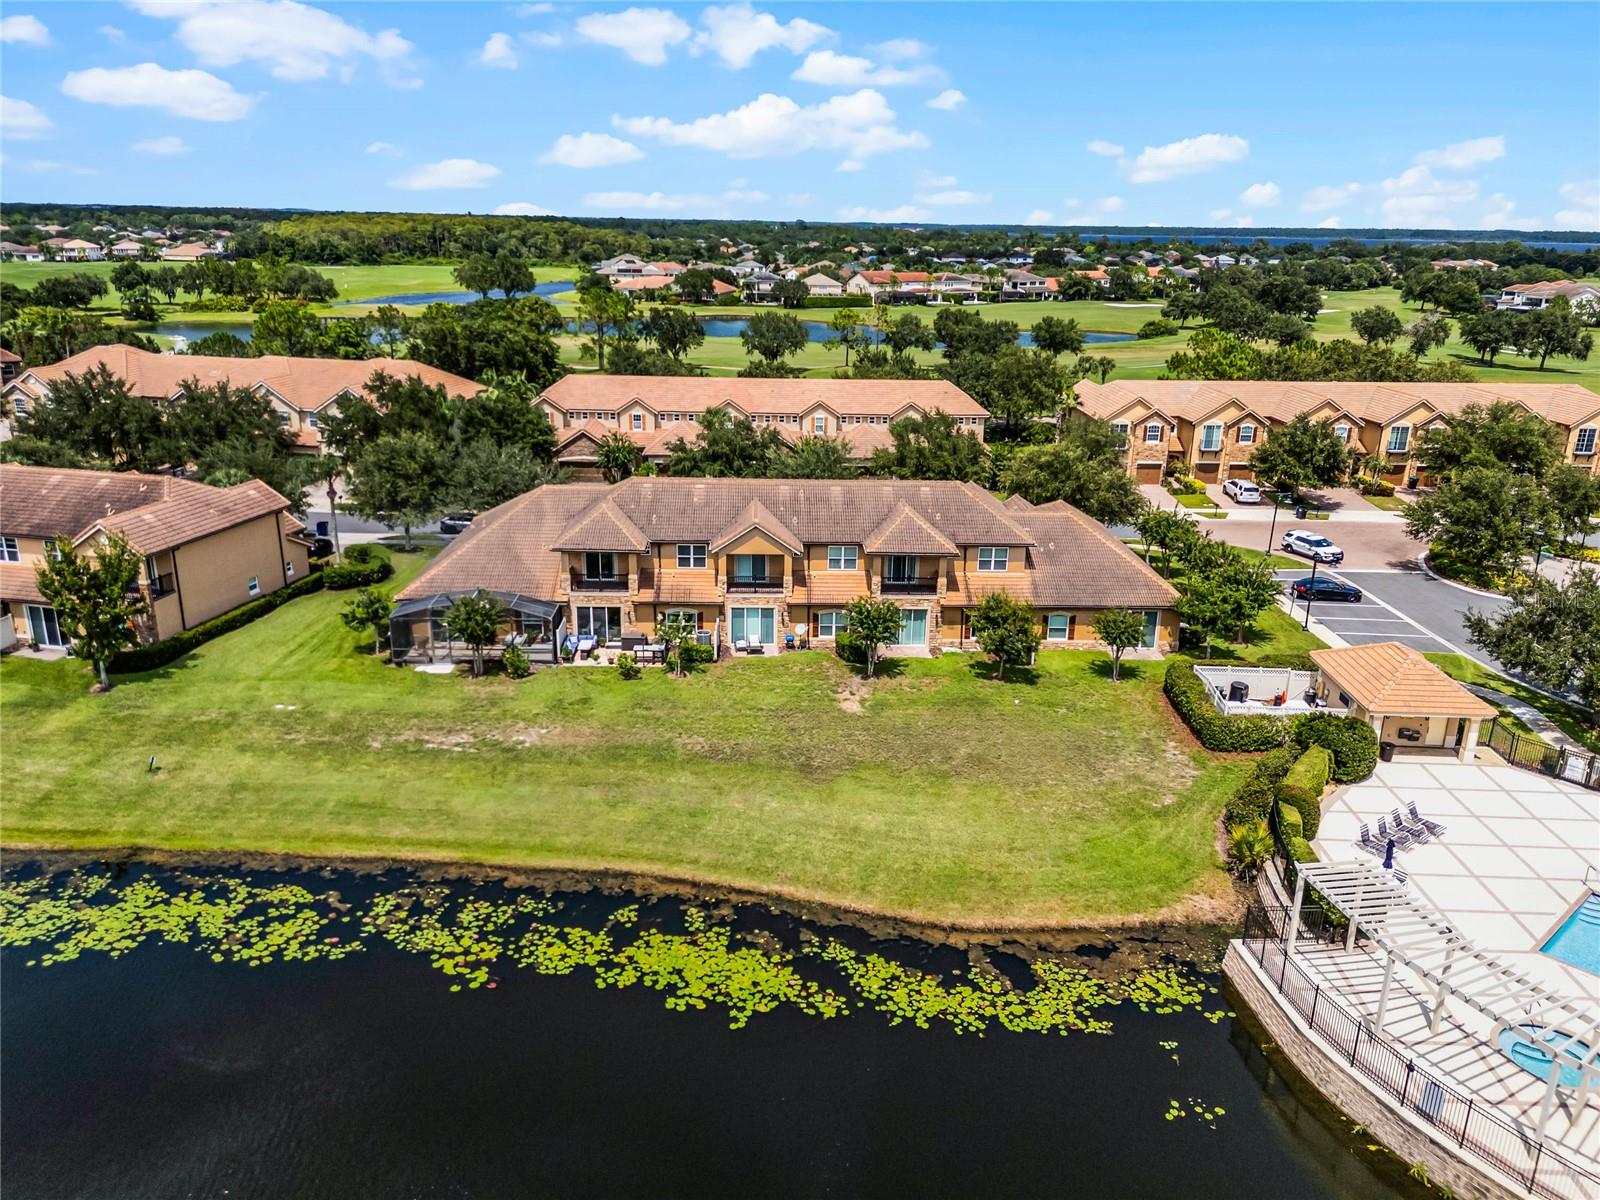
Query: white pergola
[[1419, 937]]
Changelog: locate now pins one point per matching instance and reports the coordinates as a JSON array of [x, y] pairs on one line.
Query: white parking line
[[1365, 620], [1422, 630]]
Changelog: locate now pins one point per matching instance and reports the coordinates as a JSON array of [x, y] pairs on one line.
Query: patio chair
[[1367, 842], [1402, 840], [631, 642], [1400, 876], [1416, 833], [1433, 827]]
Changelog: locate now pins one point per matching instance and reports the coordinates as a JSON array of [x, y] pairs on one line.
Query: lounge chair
[[1367, 842], [1402, 840], [1416, 833], [1400, 877], [1433, 827]]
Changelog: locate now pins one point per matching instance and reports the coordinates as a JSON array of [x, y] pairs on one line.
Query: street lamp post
[[1310, 591]]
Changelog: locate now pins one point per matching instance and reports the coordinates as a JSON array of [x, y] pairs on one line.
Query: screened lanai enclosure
[[420, 633]]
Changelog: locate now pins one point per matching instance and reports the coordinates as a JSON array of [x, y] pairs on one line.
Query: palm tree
[[616, 456], [326, 469]]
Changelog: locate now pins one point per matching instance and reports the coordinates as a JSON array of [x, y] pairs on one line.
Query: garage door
[[1206, 470], [1240, 471], [1147, 472]]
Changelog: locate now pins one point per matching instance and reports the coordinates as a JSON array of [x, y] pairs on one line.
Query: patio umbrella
[[1388, 855]]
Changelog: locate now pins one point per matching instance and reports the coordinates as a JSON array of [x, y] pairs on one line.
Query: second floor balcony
[[162, 585], [755, 583], [909, 585], [583, 582]]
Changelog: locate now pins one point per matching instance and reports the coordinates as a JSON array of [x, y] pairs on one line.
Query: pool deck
[[1520, 851]]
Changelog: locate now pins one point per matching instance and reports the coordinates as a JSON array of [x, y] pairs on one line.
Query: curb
[[1422, 561]]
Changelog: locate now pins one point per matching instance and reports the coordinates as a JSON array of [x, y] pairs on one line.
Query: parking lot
[[1398, 606]]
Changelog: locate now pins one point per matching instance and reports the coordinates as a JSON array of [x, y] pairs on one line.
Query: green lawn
[[947, 797]]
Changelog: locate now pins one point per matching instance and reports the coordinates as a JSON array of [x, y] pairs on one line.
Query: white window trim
[[839, 619], [9, 551], [1589, 433], [849, 558], [1247, 428], [1152, 428], [692, 548], [1051, 617], [1401, 434], [999, 558], [254, 586], [1207, 445], [637, 420]]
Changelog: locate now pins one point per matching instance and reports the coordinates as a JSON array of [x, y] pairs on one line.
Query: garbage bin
[[322, 529], [1300, 512], [1386, 751]]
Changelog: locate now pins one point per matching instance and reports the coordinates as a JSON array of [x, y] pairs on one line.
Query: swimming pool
[[1578, 940], [1524, 1049]]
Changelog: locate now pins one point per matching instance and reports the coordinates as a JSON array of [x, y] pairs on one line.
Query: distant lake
[[1244, 237], [552, 288], [715, 327]]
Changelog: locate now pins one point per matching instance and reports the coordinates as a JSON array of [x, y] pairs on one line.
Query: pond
[[329, 1035], [715, 327]]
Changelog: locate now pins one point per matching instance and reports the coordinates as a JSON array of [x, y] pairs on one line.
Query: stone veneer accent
[[1409, 1138]]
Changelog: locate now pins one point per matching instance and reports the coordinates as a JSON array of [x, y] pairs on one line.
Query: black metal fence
[[1564, 762], [1515, 1151]]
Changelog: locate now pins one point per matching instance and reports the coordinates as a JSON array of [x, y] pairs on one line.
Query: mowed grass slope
[[948, 797]]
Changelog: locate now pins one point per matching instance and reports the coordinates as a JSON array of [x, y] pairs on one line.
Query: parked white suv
[[1242, 491], [1312, 545]]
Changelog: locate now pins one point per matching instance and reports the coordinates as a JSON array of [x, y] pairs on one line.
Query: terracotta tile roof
[[906, 531], [695, 394], [1390, 679], [1079, 562], [756, 517], [9, 356], [1017, 503], [507, 549], [304, 383], [883, 278], [41, 502], [18, 582], [642, 283], [832, 587], [192, 515], [1192, 400], [602, 527]]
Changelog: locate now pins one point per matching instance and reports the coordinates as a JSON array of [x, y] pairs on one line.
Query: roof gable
[[604, 527], [905, 531], [757, 517]]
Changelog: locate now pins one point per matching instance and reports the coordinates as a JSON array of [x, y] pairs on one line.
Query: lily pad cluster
[[475, 939]]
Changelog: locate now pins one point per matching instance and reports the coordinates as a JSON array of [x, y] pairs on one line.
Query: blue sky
[[1089, 114]]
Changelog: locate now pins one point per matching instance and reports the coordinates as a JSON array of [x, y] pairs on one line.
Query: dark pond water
[[164, 1073], [551, 288], [715, 327]]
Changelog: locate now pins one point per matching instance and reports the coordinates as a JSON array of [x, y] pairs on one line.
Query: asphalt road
[[1401, 606], [350, 523]]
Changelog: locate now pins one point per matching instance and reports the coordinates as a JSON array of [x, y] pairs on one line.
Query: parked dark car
[[1323, 588], [321, 548], [455, 522]]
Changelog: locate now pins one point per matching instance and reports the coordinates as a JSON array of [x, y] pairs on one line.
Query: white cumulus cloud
[[829, 69], [295, 41], [382, 148], [19, 119], [901, 49], [886, 216], [498, 52], [1105, 149], [447, 174], [165, 146], [1190, 156], [861, 124], [1583, 205], [188, 93], [584, 150], [1461, 155], [1039, 216], [1417, 197], [1501, 213], [1328, 197], [29, 31], [948, 100], [1086, 214], [643, 34], [1328, 223], [700, 203], [954, 196], [736, 33], [521, 208], [1261, 195]]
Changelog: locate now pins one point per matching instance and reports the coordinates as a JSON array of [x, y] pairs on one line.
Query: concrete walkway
[[1526, 713]]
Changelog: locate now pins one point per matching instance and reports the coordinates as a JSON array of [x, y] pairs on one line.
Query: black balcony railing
[[755, 583], [598, 583], [914, 585], [162, 585]]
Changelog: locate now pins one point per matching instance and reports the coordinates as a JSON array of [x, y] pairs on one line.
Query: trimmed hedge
[[1256, 794], [363, 567], [159, 654], [1350, 740], [1186, 692], [1301, 789], [1301, 850]]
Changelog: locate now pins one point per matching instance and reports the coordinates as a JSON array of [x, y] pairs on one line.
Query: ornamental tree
[[473, 619], [1121, 630], [367, 610], [1551, 633], [1005, 629], [96, 597], [873, 624]]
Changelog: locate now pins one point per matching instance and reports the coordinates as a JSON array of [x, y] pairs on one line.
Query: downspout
[[283, 563], [177, 586]]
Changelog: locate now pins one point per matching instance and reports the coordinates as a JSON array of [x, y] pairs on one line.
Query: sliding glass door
[[753, 625], [43, 628], [913, 627], [602, 623]]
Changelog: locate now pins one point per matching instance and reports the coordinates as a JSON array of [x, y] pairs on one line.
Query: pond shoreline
[[1193, 922]]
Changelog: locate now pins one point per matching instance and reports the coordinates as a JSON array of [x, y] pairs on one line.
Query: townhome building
[[1212, 428], [887, 283], [1525, 297], [760, 566], [206, 549], [304, 392], [656, 410]]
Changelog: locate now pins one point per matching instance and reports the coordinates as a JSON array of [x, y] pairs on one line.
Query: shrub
[[1160, 327], [159, 654], [693, 654], [1290, 822], [515, 662], [1186, 692], [849, 648], [1275, 764], [1303, 786], [1376, 487], [627, 667], [363, 566], [1300, 850], [1252, 800], [1351, 741], [1249, 845]]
